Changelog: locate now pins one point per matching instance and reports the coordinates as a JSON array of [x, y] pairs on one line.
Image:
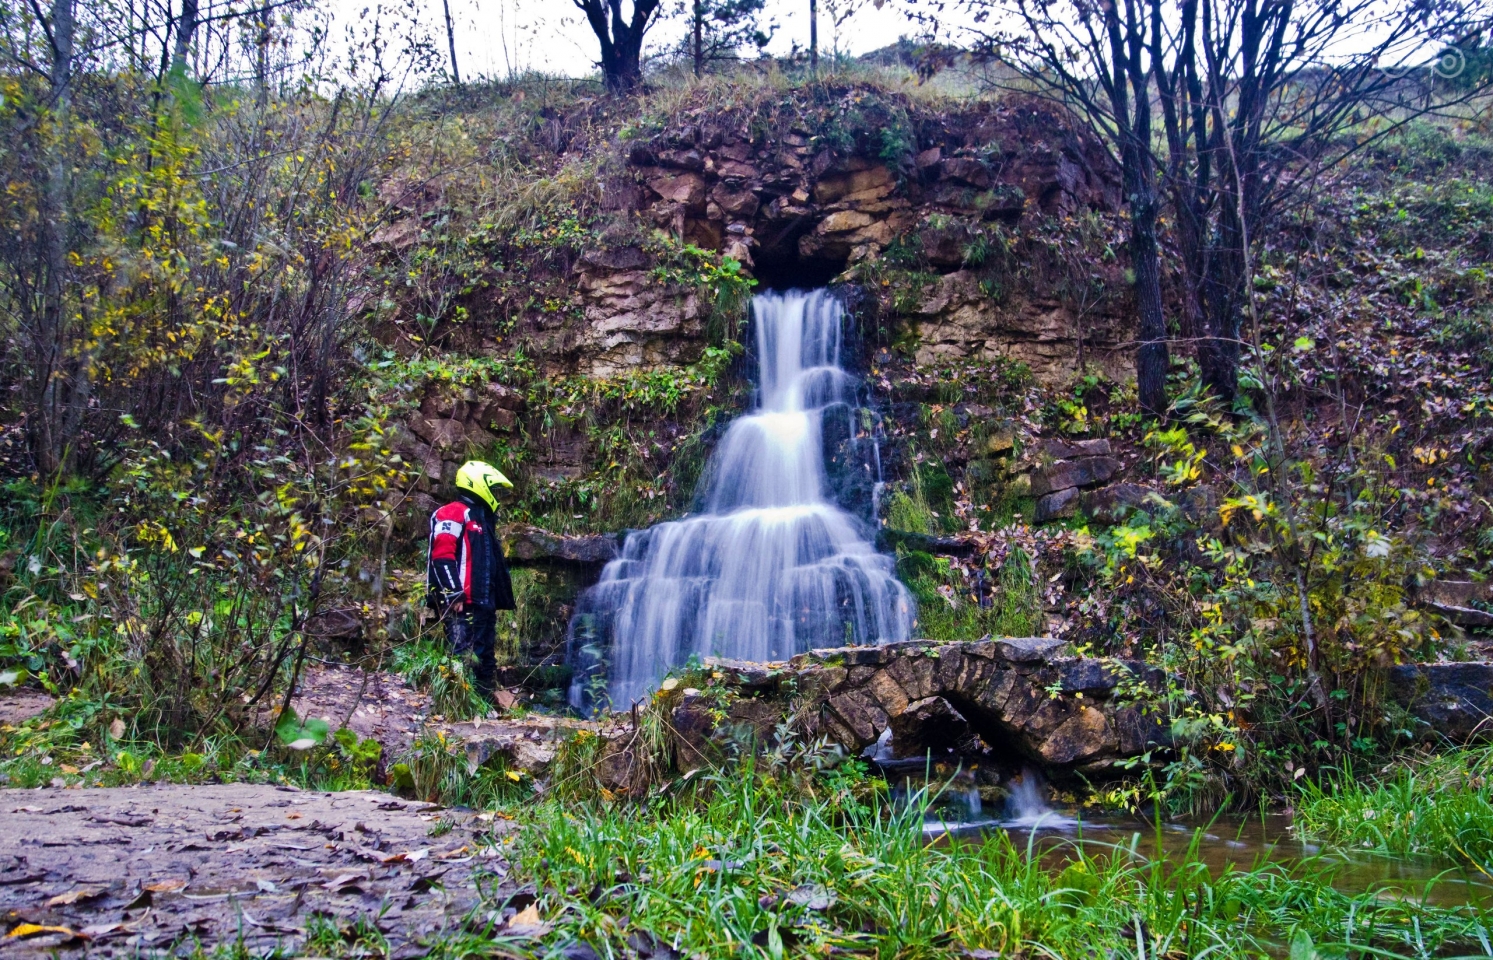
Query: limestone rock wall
[[795, 210]]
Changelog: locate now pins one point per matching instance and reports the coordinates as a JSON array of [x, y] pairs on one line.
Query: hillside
[[284, 326]]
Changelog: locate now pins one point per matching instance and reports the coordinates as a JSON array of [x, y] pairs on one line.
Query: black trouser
[[471, 635]]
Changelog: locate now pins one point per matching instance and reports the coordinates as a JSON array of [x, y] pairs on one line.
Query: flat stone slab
[[527, 544], [129, 871]]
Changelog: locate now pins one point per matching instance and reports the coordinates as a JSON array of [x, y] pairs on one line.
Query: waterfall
[[771, 567]]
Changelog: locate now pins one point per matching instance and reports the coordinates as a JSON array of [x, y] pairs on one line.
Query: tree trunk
[[620, 38], [262, 59], [451, 42], [699, 38], [814, 36], [51, 447], [1152, 358], [186, 27], [1223, 289]]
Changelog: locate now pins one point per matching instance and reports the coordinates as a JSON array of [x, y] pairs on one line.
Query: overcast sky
[[551, 36], [495, 38]]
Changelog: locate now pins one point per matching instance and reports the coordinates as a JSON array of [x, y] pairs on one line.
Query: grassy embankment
[[1437, 805]]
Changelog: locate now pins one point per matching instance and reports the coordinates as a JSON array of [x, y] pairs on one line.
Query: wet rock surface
[[1026, 697], [135, 870], [1451, 701]]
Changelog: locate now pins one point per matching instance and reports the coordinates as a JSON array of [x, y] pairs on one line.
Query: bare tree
[[1258, 99], [451, 42], [1255, 100], [814, 36], [621, 39], [1099, 59]]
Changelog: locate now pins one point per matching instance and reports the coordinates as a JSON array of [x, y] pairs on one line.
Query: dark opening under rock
[[930, 725]]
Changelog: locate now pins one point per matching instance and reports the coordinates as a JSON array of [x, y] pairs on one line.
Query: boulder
[[967, 171], [1109, 505], [687, 189], [526, 544], [844, 221], [1073, 473], [1453, 700], [1074, 449], [1454, 599], [441, 434], [1456, 593], [1063, 503]]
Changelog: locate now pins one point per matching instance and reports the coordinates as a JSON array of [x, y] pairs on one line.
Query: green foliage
[[437, 770], [298, 734], [1439, 805], [716, 276], [957, 601], [1278, 595], [750, 863], [427, 665]]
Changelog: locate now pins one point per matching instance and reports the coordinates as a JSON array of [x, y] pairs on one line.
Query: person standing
[[466, 574]]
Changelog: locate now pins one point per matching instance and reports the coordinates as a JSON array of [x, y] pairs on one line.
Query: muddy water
[[1240, 843]]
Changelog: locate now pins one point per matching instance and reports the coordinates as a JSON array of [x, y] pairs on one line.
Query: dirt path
[[136, 870]]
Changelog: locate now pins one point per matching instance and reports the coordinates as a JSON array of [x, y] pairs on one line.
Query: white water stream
[[772, 567]]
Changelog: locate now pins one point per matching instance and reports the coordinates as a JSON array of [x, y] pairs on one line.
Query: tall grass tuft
[[749, 865], [1440, 805]]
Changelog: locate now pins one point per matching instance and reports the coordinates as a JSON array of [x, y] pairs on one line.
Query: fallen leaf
[[812, 896], [408, 856], [116, 729], [35, 929], [166, 886], [526, 923], [99, 931], [74, 896], [344, 880]]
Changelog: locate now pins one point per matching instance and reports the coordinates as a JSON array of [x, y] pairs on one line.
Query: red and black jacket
[[466, 560]]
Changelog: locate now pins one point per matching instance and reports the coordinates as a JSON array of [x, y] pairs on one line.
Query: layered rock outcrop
[[796, 206], [453, 424], [1028, 698], [1449, 701]]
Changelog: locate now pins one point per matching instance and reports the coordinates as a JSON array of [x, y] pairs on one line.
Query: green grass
[[949, 610], [1440, 805], [427, 665], [752, 867]]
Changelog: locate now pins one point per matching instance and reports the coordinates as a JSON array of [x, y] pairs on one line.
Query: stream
[[1227, 841]]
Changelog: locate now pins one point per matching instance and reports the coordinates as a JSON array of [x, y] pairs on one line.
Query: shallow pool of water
[[1241, 843]]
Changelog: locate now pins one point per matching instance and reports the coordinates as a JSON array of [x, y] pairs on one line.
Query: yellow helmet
[[480, 478]]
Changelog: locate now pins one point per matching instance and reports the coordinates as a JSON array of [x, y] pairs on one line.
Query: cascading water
[[772, 567]]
